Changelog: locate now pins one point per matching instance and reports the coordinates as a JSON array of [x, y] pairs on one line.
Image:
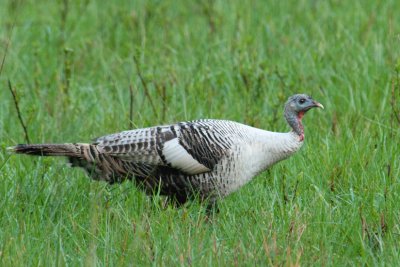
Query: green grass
[[71, 63]]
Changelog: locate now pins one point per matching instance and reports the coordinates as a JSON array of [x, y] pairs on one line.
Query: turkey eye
[[302, 101]]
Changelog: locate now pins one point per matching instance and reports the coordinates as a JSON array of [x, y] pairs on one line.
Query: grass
[[71, 64]]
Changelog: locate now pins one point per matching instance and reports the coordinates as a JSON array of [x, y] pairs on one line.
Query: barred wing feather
[[192, 147]]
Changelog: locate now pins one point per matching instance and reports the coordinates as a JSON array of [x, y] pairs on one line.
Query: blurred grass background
[[72, 64]]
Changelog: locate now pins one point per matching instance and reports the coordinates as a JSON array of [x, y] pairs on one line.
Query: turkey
[[206, 158]]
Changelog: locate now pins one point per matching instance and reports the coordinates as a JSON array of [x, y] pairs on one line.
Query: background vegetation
[[76, 66]]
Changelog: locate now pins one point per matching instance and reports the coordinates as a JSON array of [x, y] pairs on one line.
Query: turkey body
[[208, 158], [211, 158]]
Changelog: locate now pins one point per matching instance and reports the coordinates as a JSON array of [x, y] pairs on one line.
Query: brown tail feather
[[68, 150], [86, 156]]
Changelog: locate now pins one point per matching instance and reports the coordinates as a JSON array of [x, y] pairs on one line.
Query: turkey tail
[[68, 150], [86, 156]]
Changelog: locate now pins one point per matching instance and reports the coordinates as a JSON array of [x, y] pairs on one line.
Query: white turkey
[[209, 158]]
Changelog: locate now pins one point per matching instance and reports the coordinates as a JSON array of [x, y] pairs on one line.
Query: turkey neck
[[294, 120]]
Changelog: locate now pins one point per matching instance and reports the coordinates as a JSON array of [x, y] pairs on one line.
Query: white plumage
[[176, 155]]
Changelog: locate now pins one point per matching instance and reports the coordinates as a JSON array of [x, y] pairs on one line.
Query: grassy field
[[74, 64]]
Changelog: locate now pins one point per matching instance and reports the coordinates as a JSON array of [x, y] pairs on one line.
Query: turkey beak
[[318, 105]]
